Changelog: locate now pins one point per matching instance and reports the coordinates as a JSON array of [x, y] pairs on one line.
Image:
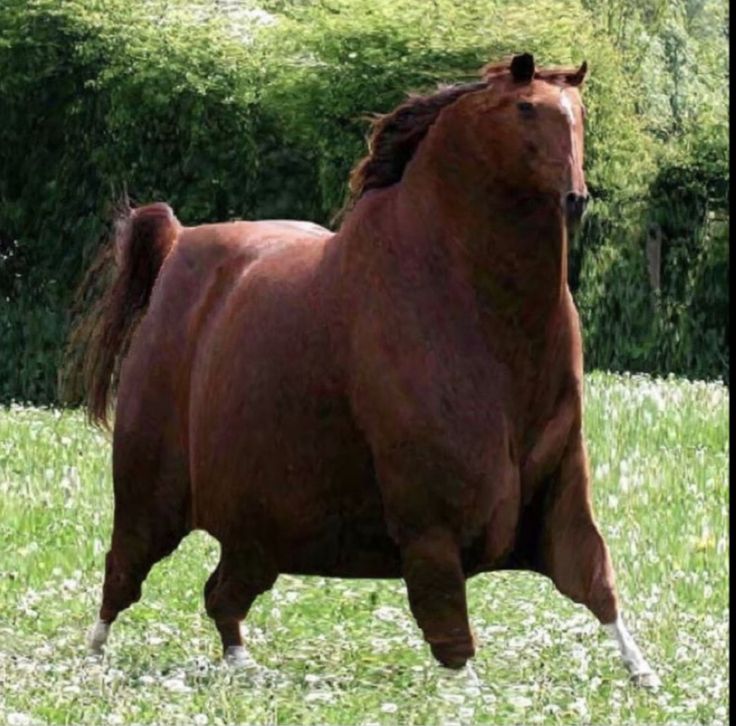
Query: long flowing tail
[[127, 271]]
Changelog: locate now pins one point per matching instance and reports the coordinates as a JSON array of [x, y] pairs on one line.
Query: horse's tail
[[126, 271]]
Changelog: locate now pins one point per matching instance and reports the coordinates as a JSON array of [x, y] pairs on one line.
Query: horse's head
[[525, 129]]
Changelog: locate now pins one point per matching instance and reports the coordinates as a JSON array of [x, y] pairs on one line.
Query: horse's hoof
[[239, 660], [647, 679], [237, 657], [465, 676], [97, 637], [453, 655]]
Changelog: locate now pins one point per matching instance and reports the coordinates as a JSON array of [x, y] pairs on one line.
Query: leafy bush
[[682, 327], [231, 110]]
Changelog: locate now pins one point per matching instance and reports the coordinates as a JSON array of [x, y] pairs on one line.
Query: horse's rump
[[274, 452]]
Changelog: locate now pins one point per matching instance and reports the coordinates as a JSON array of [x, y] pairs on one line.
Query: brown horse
[[400, 399]]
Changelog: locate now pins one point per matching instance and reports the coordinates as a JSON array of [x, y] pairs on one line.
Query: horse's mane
[[395, 136]]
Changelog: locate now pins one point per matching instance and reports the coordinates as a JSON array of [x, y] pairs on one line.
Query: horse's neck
[[513, 253], [519, 267]]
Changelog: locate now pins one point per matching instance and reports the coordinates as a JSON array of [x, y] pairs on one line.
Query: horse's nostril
[[575, 204]]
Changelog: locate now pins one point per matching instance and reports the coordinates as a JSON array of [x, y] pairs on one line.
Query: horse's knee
[[122, 586], [601, 596], [230, 598], [229, 591], [582, 571], [601, 599]]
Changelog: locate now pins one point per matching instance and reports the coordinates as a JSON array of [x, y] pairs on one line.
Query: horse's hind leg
[[575, 556], [241, 575], [150, 520]]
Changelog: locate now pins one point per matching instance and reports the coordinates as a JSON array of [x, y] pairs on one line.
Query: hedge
[[262, 113]]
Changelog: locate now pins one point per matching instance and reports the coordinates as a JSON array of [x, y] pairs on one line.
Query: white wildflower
[[176, 685], [387, 614], [324, 696], [520, 701]]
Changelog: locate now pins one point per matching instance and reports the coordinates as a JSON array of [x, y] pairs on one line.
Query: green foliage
[[258, 110], [683, 326]]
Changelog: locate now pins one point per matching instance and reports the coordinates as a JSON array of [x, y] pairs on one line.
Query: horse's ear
[[522, 68], [577, 78]]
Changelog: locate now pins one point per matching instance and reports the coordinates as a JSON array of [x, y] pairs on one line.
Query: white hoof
[[646, 679], [466, 673], [236, 656], [471, 676], [239, 660], [98, 637], [641, 672]]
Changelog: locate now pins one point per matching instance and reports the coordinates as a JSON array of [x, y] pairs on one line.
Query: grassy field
[[348, 652]]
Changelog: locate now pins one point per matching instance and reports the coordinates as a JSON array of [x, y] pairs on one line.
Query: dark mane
[[394, 138]]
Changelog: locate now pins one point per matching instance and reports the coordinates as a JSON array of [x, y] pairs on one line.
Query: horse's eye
[[526, 109]]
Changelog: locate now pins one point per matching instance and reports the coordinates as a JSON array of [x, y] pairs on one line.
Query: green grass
[[348, 652]]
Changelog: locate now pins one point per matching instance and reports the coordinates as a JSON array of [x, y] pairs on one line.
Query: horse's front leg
[[422, 517], [435, 585], [575, 556]]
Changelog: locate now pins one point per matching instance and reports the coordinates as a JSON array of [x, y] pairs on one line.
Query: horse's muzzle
[[575, 206]]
